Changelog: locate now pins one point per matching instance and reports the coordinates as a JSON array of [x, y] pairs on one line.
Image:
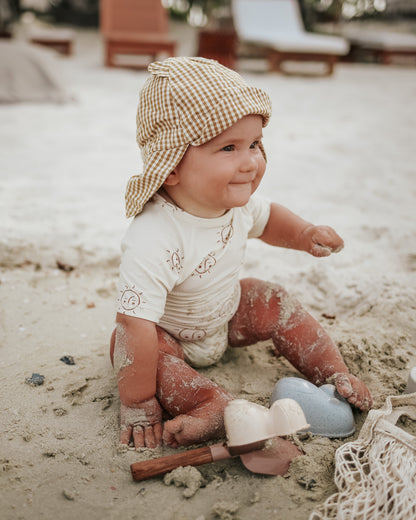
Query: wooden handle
[[154, 467]]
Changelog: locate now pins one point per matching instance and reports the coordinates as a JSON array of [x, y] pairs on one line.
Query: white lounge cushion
[[383, 40], [278, 24], [305, 43]]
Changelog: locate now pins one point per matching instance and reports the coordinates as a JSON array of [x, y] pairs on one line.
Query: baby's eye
[[254, 144], [228, 148]]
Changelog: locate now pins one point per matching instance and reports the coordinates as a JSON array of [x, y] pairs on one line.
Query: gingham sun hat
[[185, 101]]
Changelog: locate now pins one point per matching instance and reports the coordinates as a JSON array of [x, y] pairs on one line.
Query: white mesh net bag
[[376, 474]]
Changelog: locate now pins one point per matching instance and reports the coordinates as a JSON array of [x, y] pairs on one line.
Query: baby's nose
[[248, 162]]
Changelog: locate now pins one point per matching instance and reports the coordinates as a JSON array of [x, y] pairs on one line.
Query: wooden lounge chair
[[134, 28], [382, 45], [277, 26]]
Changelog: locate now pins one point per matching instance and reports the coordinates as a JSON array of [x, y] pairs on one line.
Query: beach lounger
[[277, 26], [134, 28], [381, 45]]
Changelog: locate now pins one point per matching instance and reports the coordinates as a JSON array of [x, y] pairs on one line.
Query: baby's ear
[[172, 179]]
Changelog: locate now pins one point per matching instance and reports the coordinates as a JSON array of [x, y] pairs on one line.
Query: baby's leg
[[196, 403], [266, 311]]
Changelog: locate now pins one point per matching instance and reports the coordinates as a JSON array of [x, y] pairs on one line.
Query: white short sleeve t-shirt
[[182, 271]]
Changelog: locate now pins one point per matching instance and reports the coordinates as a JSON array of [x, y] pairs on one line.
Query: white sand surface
[[341, 152]]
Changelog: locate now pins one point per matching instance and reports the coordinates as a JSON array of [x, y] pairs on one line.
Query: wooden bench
[[218, 45], [118, 44], [134, 28], [59, 39]]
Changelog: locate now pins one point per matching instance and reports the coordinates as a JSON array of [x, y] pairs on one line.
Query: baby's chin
[[239, 194]]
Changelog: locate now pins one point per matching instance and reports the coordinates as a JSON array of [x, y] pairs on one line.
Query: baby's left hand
[[321, 240]]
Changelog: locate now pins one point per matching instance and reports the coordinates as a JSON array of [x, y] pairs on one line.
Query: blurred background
[[70, 71], [207, 16], [201, 12]]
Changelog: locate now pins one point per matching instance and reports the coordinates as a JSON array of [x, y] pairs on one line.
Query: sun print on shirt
[[130, 299], [225, 234], [175, 259], [192, 334], [205, 265]]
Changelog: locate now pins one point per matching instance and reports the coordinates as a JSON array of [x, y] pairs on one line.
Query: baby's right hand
[[320, 241], [142, 424]]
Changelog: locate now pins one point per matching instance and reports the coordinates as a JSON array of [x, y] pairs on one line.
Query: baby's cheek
[[261, 168], [256, 182]]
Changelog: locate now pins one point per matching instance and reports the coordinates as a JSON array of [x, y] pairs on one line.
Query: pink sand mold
[[325, 410], [247, 422]]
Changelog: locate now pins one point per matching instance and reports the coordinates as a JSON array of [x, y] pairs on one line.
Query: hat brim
[[156, 168]]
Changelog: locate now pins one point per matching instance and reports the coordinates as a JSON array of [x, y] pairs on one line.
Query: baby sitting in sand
[[181, 303]]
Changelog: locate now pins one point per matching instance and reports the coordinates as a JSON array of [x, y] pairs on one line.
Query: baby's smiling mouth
[[244, 180]]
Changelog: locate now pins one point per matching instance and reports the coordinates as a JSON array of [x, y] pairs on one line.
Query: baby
[[181, 303]]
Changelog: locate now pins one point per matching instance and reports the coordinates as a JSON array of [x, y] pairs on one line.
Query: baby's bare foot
[[203, 423]]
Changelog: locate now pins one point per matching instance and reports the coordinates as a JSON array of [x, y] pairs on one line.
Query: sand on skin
[[340, 153]]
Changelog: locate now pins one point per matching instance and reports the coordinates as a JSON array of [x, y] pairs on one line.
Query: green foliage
[[182, 9], [334, 10]]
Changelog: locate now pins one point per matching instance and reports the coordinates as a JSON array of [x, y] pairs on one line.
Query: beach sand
[[340, 152]]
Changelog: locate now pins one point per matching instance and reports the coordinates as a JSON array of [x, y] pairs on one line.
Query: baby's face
[[222, 173]]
